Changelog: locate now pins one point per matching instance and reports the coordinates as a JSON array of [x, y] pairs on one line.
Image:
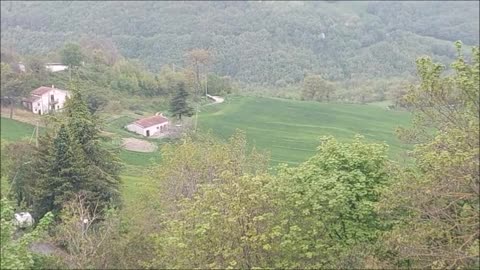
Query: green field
[[290, 130], [12, 130], [139, 158]]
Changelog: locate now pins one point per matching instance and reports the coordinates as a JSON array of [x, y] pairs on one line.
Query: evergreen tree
[[73, 160], [178, 104], [65, 171]]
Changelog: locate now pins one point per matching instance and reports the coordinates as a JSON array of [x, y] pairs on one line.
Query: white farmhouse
[[149, 126], [46, 99]]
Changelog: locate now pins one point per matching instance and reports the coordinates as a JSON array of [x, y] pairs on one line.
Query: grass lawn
[[13, 130], [134, 187], [382, 104], [290, 130], [139, 158], [117, 126]]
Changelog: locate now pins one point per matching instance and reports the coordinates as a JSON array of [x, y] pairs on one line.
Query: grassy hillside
[[290, 129], [12, 130]]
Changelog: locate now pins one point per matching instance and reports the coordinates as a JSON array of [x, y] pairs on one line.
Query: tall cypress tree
[[178, 104]]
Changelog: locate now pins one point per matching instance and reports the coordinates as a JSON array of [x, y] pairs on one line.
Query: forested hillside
[[268, 43]]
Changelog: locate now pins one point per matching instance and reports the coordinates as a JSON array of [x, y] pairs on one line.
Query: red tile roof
[[151, 121], [41, 90]]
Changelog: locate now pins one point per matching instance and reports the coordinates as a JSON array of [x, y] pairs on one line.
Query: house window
[[38, 104], [158, 127], [52, 97]]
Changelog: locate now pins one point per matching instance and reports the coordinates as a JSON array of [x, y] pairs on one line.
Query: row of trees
[[102, 79], [316, 88], [128, 77]]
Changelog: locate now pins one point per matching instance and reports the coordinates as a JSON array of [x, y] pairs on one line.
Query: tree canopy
[[72, 55], [254, 42]]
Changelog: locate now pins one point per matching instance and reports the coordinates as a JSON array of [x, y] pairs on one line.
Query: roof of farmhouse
[[43, 89], [151, 121]]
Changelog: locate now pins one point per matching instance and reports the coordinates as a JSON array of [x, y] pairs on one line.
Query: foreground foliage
[[223, 214], [14, 248], [437, 201]]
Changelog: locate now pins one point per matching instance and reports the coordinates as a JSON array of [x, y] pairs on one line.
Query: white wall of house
[[44, 103], [156, 129], [37, 106], [143, 131], [60, 96]]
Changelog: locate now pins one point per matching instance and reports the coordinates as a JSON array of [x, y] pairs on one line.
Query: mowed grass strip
[[13, 130], [139, 158], [290, 130]]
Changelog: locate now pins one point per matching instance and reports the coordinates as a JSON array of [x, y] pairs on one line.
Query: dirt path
[[138, 145], [216, 99]]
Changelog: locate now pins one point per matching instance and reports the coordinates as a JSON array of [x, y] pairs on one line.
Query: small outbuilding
[[149, 126]]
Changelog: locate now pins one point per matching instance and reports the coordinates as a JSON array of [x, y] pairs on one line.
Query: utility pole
[[173, 67], [36, 135], [206, 87], [196, 118], [11, 106]]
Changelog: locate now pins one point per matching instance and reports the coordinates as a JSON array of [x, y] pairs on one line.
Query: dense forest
[[262, 43]]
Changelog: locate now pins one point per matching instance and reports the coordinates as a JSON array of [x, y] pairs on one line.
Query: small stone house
[[149, 126], [46, 99]]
